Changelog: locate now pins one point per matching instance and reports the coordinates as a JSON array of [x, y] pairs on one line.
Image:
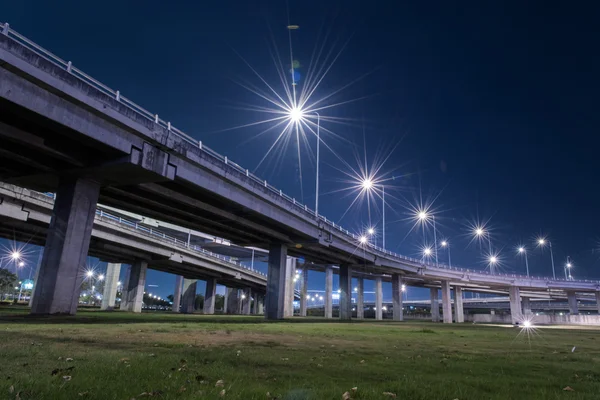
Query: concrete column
[[210, 295], [459, 313], [66, 249], [573, 307], [177, 294], [304, 292], [526, 306], [188, 300], [123, 305], [275, 297], [232, 301], [378, 299], [598, 301], [515, 304], [345, 292], [110, 286], [397, 297], [435, 304], [290, 273], [135, 286], [360, 298], [328, 292], [246, 301], [261, 305], [446, 303], [37, 272], [255, 304]]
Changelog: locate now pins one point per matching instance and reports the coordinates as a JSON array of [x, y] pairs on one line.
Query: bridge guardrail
[[115, 94]]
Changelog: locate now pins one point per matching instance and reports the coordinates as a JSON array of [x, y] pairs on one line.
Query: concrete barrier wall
[[537, 319]]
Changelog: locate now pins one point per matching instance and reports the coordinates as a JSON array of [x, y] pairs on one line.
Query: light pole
[[426, 253], [568, 266], [367, 184], [541, 243], [493, 260], [423, 216], [446, 245], [523, 251], [318, 146]]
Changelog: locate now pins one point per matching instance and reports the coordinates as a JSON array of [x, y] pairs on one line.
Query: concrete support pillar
[[177, 293], [110, 286], [526, 306], [275, 297], [328, 292], [246, 301], [573, 307], [290, 273], [378, 298], [360, 298], [37, 273], [123, 305], [261, 305], [255, 304], [598, 301], [135, 286], [66, 249], [435, 304], [398, 312], [459, 313], [232, 301], [188, 300], [446, 303], [515, 304], [210, 295], [304, 292], [345, 292]]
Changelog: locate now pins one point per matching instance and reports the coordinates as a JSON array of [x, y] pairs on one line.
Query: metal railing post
[[118, 96], [6, 28], [69, 66]]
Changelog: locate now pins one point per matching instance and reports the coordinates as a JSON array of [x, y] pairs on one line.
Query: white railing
[[115, 94]]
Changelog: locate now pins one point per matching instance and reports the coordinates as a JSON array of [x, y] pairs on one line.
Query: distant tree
[[170, 298], [199, 302], [219, 302], [8, 280]]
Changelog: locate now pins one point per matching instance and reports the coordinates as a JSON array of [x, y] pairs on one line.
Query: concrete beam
[[514, 294], [210, 296], [459, 312], [572, 299], [135, 286], [345, 292], [111, 282], [446, 302], [177, 294], [360, 298], [328, 292], [304, 292], [435, 304], [188, 300], [378, 299], [398, 311], [275, 297], [66, 249]]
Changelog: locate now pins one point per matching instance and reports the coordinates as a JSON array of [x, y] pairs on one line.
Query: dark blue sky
[[494, 106]]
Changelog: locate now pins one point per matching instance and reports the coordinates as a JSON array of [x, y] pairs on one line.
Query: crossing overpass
[[64, 132]]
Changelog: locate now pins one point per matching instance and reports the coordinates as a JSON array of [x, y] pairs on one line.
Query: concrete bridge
[[64, 132]]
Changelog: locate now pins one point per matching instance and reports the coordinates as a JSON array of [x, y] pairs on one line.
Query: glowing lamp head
[[541, 241], [21, 264], [89, 274], [15, 255], [371, 231], [362, 239], [367, 184], [444, 243], [526, 324], [493, 260], [427, 251], [422, 215], [521, 249], [569, 265], [296, 114], [479, 231], [101, 278], [403, 288]]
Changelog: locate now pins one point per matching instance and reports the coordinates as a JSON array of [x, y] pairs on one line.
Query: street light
[[362, 239], [480, 232], [15, 255], [493, 260], [423, 217], [523, 251], [568, 267], [446, 245], [541, 243], [368, 184]]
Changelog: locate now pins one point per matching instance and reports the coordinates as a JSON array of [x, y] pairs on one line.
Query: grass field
[[98, 355]]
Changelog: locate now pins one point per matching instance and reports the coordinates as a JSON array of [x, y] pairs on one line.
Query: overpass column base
[[328, 292], [135, 286], [290, 273], [232, 301], [246, 301], [378, 299], [110, 286], [261, 305], [210, 296], [123, 305], [275, 297], [573, 307], [515, 304], [345, 292], [188, 300], [526, 302], [459, 311], [398, 312], [177, 294], [435, 304], [66, 249], [446, 303], [360, 298]]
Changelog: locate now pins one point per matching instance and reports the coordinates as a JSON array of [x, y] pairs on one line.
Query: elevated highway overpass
[[64, 132]]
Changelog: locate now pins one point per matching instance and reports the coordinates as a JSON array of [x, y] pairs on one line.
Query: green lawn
[[122, 356]]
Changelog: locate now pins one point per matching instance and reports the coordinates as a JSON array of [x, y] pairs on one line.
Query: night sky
[[493, 107]]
